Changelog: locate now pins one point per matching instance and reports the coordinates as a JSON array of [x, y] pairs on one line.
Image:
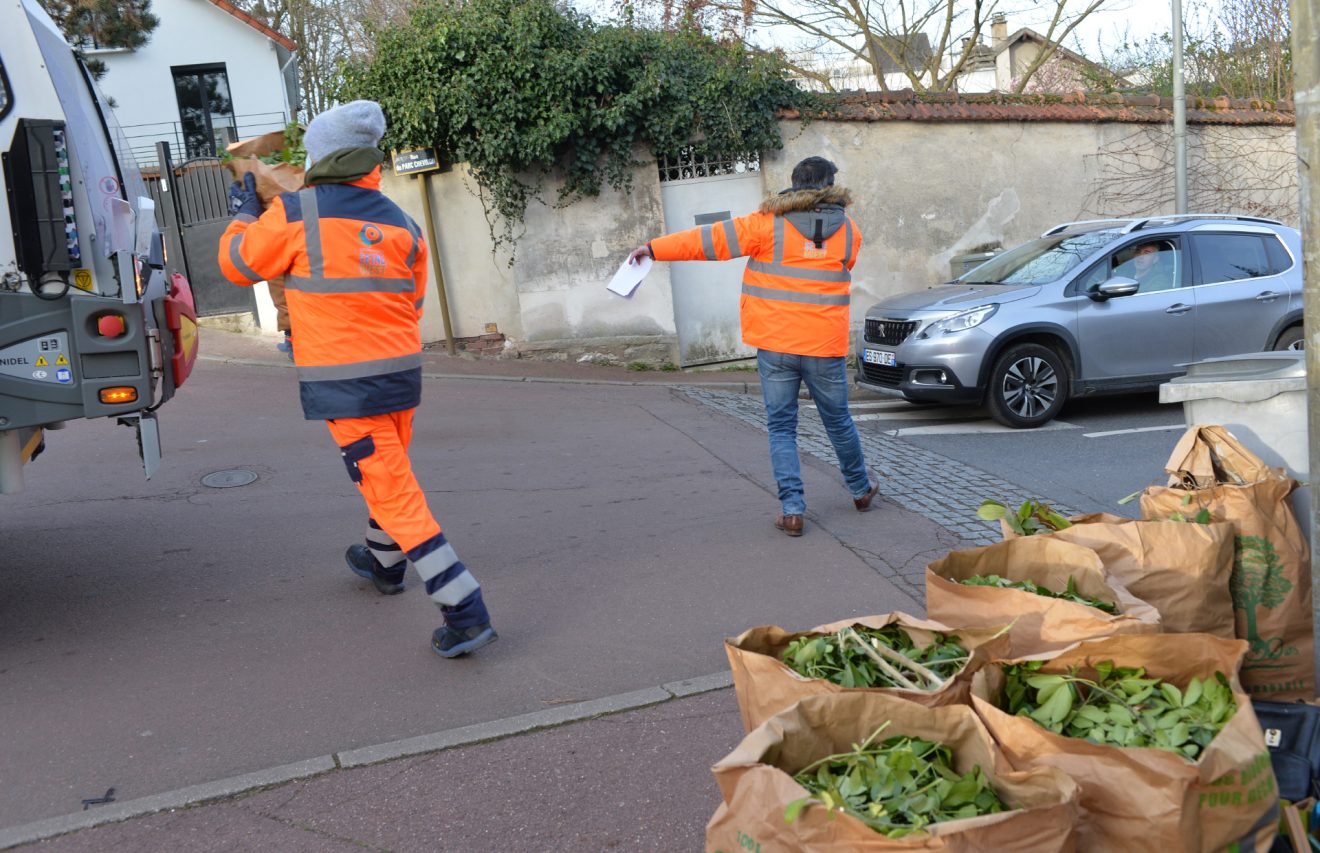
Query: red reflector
[[118, 395], [110, 325]]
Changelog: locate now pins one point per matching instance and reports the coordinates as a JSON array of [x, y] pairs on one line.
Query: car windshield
[[1040, 261]]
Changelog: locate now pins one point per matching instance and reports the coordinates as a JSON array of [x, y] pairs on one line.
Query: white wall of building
[[194, 32]]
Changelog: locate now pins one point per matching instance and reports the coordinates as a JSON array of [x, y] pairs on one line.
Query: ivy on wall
[[518, 88]]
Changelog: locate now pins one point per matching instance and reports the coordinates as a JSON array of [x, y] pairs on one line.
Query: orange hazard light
[[118, 395]]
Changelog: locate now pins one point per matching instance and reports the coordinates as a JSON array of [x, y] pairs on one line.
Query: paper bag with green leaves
[[1182, 570], [1212, 477], [1053, 593], [922, 661], [275, 159], [1192, 773], [934, 775]]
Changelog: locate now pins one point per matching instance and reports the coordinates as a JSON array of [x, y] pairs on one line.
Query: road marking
[[974, 428], [925, 415], [1134, 429], [886, 405]]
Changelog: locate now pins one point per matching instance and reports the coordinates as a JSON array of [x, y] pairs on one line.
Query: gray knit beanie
[[357, 124]]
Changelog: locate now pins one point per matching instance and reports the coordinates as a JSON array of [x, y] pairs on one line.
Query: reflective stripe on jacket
[[796, 286], [355, 267]]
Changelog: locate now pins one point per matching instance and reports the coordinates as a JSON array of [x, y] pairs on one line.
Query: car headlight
[[960, 322]]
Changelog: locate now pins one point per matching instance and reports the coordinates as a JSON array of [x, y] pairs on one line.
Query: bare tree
[[1240, 49], [916, 44], [328, 34]]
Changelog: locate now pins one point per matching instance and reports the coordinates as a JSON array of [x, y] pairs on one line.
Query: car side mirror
[[1116, 286]]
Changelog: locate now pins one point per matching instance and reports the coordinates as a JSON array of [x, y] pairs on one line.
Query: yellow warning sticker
[[61, 359], [41, 362], [82, 279]]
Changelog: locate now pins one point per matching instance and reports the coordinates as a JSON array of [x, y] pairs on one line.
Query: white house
[[211, 74]]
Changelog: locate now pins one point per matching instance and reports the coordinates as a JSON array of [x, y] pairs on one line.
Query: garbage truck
[[92, 323]]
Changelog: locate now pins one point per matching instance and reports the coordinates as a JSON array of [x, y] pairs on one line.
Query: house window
[[206, 112]]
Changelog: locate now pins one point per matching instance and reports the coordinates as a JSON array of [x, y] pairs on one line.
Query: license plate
[[884, 358]]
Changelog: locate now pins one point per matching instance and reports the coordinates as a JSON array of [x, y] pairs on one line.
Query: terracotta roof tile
[[1071, 107]]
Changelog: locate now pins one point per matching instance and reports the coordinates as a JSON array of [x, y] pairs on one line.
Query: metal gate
[[192, 209], [698, 190]]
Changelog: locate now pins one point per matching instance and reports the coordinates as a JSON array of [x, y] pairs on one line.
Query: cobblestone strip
[[944, 490]]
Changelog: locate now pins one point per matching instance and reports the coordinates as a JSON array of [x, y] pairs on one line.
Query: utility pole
[[1180, 114], [1306, 101]]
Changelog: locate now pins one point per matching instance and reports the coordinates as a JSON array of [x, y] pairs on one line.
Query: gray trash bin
[[1261, 399]]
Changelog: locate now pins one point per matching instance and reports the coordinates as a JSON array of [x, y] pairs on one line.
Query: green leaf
[[1192, 694], [793, 809], [992, 511]]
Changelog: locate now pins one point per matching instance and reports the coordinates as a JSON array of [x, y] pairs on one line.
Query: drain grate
[[230, 478]]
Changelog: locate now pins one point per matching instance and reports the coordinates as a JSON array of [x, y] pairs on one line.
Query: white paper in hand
[[625, 281]]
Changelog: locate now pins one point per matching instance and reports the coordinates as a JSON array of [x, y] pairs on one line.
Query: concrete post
[[1306, 99]]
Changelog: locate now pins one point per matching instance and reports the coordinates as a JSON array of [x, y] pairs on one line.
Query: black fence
[[192, 210]]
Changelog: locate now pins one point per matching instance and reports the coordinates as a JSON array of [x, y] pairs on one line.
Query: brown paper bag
[[765, 685], [1271, 580], [1151, 799], [756, 781], [271, 180], [1039, 624], [1208, 456], [1181, 570]]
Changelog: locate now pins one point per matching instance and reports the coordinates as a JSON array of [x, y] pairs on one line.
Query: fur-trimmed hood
[[791, 201]]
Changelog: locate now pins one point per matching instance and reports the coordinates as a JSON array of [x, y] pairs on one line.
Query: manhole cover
[[229, 479]]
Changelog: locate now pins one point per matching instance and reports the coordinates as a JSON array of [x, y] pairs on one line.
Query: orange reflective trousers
[[375, 449]]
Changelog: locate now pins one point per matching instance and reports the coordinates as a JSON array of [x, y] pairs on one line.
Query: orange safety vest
[[355, 267], [796, 286]]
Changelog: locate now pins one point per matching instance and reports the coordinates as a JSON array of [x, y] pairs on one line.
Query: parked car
[[1089, 308]]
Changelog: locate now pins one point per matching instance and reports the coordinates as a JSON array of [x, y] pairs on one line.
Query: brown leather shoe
[[864, 502], [790, 524]]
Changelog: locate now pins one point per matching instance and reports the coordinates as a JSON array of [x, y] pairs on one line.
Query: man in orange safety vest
[[355, 274], [802, 247]]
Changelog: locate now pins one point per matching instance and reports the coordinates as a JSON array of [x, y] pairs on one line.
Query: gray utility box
[[1261, 399]]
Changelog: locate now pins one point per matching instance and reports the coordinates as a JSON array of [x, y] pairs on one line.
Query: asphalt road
[[161, 634], [1096, 452]]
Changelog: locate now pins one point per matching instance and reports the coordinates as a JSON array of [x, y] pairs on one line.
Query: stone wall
[[932, 178]]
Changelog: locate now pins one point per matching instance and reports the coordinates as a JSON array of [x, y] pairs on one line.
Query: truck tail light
[[181, 317], [118, 395]]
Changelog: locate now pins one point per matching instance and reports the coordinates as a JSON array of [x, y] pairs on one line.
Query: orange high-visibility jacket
[[355, 267], [795, 289]]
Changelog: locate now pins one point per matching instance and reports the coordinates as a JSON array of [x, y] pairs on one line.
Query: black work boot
[[364, 564]]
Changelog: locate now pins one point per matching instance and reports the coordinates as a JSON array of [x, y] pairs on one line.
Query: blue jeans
[[827, 380]]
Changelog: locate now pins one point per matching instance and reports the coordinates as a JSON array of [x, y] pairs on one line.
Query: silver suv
[[1089, 308]]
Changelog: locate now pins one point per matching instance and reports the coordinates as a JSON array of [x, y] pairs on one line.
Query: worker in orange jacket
[[355, 274], [802, 247]]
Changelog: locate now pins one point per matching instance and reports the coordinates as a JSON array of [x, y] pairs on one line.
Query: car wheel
[[1028, 386], [1292, 338]]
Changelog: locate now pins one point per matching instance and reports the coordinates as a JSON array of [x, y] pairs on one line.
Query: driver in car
[[1151, 264]]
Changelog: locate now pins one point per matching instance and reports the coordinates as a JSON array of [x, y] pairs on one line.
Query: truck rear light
[[111, 325], [181, 318], [118, 395]]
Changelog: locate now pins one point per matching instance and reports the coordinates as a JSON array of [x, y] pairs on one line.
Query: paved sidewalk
[[632, 781]]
